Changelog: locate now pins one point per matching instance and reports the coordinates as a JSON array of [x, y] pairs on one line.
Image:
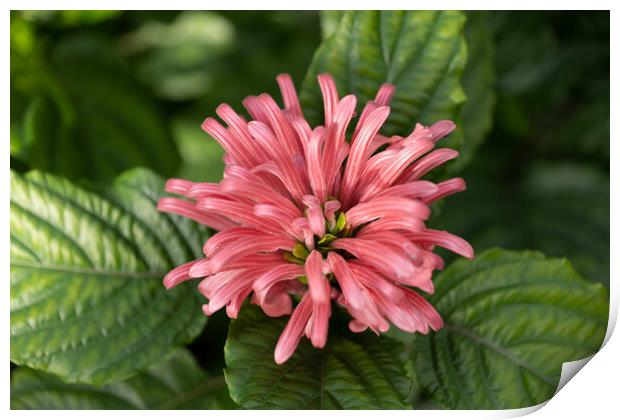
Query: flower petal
[[294, 330]]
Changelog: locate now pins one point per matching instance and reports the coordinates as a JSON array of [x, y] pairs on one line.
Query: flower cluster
[[306, 217]]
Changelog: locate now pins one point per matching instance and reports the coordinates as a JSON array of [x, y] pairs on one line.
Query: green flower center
[[338, 230]]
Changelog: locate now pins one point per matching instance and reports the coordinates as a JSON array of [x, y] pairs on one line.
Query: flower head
[[307, 217]]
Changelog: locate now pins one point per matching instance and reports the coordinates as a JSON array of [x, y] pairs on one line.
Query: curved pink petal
[[314, 162], [427, 163], [281, 272], [383, 257], [178, 275], [189, 210], [445, 240], [177, 186], [277, 301], [294, 330], [358, 154], [413, 190], [215, 243], [393, 207], [391, 170], [445, 189], [242, 247], [441, 129], [330, 96], [319, 323], [289, 94], [314, 212], [318, 285]]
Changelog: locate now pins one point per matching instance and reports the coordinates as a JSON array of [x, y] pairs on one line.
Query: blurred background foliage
[[96, 92], [541, 179]]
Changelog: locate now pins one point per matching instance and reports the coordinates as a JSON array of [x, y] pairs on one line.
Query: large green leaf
[[422, 53], [346, 374], [178, 383], [511, 320], [87, 301]]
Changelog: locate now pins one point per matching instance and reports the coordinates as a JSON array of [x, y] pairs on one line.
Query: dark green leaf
[[94, 122], [346, 374], [479, 85], [46, 130], [511, 320], [422, 53], [178, 383], [87, 301]]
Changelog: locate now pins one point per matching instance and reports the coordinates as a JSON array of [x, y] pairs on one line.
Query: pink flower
[[306, 217]]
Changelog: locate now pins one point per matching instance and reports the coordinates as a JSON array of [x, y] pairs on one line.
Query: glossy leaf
[[422, 53], [511, 320], [178, 383], [87, 301], [346, 374]]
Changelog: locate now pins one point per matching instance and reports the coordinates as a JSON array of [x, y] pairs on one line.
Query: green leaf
[[511, 320], [329, 21], [422, 53], [178, 383], [95, 122], [46, 131], [87, 301], [479, 85], [346, 374]]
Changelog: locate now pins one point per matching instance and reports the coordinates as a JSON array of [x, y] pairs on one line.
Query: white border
[[592, 394], [311, 5]]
